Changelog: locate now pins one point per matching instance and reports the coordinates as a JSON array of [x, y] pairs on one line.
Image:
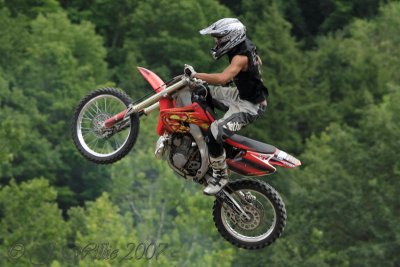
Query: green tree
[[61, 63], [342, 205], [31, 8], [21, 142], [14, 38], [353, 68], [31, 221], [102, 235], [168, 33], [349, 193], [11, 133]]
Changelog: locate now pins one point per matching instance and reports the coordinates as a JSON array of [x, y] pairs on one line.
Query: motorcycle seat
[[245, 142]]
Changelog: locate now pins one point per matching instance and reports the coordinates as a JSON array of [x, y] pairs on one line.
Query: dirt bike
[[247, 212]]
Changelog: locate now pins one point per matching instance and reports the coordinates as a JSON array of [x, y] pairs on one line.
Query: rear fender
[[283, 159], [258, 159], [252, 163]]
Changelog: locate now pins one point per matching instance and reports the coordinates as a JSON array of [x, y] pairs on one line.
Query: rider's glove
[[189, 71]]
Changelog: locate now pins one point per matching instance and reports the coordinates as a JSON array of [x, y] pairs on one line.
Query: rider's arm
[[238, 64]]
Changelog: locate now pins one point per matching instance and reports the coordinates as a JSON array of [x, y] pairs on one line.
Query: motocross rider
[[243, 104]]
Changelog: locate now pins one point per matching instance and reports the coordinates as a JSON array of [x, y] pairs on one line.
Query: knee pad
[[215, 149]]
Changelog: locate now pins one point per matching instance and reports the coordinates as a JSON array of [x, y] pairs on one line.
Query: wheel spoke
[[98, 110], [97, 140], [87, 133], [104, 145], [87, 118], [94, 140], [89, 110], [118, 142], [92, 109]]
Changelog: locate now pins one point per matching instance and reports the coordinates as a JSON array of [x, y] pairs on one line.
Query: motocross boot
[[219, 177]]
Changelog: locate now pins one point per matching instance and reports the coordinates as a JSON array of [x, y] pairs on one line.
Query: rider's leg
[[217, 163], [239, 114]]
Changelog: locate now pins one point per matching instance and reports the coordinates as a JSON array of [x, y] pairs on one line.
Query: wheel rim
[[262, 222], [89, 126]]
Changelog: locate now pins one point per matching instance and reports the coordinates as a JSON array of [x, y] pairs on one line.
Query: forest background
[[332, 68]]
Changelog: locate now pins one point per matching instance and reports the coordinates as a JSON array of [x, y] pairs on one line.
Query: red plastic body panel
[[255, 163], [152, 79], [252, 164], [158, 85], [177, 120]]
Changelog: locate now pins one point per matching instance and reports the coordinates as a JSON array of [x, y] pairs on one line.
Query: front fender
[[158, 85]]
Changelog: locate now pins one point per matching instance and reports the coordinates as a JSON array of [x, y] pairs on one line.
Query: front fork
[[225, 197], [146, 106], [124, 115]]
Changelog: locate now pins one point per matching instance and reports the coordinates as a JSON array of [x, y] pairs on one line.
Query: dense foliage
[[332, 71]]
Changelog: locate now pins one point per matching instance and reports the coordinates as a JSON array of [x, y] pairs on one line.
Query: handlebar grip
[[188, 72]]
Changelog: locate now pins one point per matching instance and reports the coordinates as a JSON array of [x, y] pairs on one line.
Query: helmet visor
[[217, 42]]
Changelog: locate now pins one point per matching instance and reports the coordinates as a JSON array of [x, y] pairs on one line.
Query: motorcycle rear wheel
[[88, 135], [265, 209]]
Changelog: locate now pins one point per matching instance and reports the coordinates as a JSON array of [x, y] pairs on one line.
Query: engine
[[184, 154]]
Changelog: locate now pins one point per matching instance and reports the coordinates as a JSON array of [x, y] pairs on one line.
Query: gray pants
[[239, 112]]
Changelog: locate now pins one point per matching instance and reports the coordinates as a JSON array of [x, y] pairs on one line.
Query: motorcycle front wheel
[[265, 210], [91, 139]]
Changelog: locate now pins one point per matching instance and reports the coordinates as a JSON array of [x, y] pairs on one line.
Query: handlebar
[[194, 82], [191, 82]]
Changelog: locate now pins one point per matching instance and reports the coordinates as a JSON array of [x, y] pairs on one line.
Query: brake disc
[[253, 222], [255, 212]]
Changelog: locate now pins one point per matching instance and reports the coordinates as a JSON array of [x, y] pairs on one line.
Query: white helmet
[[228, 33]]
